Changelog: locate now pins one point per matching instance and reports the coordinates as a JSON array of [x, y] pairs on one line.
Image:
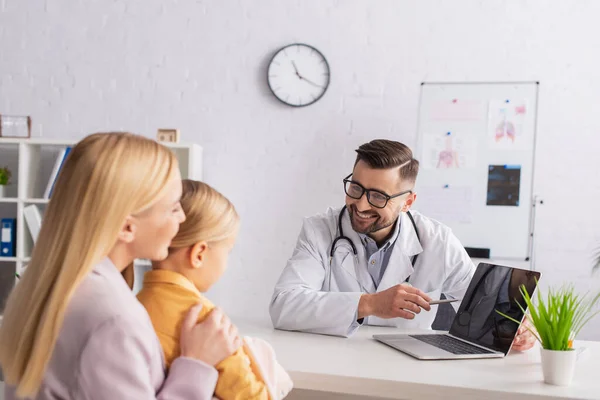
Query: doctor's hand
[[524, 339], [400, 301], [210, 341]]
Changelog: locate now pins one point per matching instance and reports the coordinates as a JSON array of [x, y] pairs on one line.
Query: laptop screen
[[492, 288]]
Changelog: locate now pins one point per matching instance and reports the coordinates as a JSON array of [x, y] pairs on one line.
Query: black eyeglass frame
[[368, 192]]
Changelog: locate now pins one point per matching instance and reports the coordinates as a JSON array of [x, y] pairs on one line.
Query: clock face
[[298, 75]]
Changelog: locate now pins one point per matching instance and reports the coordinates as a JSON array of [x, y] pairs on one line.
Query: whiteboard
[[476, 146]]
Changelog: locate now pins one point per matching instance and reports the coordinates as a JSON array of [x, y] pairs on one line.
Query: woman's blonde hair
[[106, 177], [209, 216]]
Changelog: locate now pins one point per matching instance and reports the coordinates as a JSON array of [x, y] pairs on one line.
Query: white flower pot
[[2, 190], [558, 366]]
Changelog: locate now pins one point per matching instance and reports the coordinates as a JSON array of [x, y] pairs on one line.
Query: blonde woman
[[72, 328]]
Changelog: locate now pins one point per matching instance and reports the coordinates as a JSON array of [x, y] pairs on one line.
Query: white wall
[[83, 66]]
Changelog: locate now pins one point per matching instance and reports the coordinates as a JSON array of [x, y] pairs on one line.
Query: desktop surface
[[363, 367]]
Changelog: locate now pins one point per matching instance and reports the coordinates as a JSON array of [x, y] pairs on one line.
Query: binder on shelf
[[33, 218], [60, 160], [8, 236]]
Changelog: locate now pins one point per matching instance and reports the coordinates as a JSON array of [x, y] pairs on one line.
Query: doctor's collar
[[366, 239]]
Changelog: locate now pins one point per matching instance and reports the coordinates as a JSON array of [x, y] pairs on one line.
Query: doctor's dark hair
[[385, 154]]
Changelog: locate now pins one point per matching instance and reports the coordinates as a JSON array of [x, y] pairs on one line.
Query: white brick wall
[[83, 66]]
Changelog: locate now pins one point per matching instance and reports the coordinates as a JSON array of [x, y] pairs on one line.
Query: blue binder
[[8, 234], [57, 171]]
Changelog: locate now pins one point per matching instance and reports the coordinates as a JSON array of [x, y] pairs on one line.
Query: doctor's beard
[[366, 227]]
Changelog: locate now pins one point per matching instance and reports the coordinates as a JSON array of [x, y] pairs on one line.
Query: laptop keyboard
[[450, 344]]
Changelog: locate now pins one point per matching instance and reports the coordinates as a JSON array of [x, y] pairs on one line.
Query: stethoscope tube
[[354, 251], [341, 237]]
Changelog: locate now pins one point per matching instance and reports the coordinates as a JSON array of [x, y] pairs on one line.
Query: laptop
[[478, 330]]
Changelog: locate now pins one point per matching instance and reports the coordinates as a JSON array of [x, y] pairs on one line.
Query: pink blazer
[[107, 349]]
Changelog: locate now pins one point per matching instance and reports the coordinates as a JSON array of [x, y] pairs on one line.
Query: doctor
[[371, 261]]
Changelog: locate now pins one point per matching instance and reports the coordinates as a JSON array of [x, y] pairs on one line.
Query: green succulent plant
[[5, 175], [559, 317]]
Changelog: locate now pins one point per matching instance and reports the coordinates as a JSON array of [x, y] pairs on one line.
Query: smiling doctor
[[373, 261]]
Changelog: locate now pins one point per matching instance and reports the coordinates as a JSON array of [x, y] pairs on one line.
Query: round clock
[[298, 75]]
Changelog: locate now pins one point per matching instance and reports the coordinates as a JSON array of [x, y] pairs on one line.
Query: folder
[[33, 218], [60, 160], [8, 236]]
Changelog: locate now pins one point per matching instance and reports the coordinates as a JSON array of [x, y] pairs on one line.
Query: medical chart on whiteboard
[[504, 184], [449, 150], [445, 203], [475, 147], [506, 125]]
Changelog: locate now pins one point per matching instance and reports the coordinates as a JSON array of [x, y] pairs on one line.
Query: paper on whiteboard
[[446, 204], [449, 151], [506, 122], [457, 110]]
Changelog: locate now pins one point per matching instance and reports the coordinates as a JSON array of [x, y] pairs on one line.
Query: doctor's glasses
[[375, 198]]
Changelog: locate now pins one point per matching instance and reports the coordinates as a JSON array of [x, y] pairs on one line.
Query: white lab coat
[[311, 297]]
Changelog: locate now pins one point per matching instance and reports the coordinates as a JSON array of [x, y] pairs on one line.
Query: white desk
[[360, 366]]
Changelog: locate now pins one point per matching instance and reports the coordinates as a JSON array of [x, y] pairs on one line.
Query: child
[[197, 259]]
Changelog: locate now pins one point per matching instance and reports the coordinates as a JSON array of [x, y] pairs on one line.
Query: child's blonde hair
[[209, 216], [105, 178]]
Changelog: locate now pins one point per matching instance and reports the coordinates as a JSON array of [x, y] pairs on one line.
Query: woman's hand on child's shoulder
[[210, 341]]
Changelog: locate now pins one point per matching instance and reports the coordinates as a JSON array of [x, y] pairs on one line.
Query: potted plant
[[557, 320], [5, 175]]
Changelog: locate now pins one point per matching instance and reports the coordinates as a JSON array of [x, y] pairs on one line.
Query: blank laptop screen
[[492, 288]]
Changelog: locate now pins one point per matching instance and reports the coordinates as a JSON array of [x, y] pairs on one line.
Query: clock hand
[[303, 78], [296, 69], [312, 83]]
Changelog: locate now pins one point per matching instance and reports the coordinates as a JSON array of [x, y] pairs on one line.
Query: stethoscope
[[341, 237]]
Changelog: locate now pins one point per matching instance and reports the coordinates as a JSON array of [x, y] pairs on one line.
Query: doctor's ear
[[198, 254], [409, 202], [128, 230]]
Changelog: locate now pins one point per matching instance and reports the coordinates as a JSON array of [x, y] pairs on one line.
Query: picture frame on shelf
[[15, 126], [168, 135]]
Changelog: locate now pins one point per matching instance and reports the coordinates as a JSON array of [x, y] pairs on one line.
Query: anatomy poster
[[506, 122], [449, 150], [504, 184]]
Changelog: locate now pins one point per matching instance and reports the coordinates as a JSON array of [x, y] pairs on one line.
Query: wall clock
[[298, 75]]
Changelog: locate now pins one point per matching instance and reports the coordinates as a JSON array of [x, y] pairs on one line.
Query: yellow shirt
[[168, 297]]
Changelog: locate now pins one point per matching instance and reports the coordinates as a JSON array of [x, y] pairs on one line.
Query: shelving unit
[[31, 162]]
